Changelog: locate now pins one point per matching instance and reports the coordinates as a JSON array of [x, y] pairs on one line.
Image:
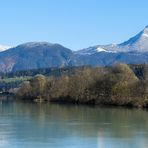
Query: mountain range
[[35, 55]]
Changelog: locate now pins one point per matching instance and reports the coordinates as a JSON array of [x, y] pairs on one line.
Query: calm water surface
[[26, 125]]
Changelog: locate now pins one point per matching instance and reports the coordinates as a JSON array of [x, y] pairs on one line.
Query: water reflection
[[66, 126]]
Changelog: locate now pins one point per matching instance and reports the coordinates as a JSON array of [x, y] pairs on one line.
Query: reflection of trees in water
[[43, 121], [7, 97]]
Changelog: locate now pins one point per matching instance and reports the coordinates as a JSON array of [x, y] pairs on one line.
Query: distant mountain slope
[[34, 55], [133, 51], [105, 58]]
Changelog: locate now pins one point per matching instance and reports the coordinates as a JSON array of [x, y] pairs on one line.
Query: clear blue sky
[[75, 24]]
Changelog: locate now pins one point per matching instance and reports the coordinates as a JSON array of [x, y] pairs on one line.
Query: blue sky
[[75, 24]]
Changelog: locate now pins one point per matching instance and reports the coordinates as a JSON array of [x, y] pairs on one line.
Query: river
[[30, 125]]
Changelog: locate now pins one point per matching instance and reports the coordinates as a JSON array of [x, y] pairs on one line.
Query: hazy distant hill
[[34, 55]]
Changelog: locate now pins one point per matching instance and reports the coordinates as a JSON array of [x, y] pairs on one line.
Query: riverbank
[[7, 97], [12, 98]]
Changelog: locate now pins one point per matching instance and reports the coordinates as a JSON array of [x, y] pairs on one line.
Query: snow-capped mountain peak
[[138, 43], [145, 32]]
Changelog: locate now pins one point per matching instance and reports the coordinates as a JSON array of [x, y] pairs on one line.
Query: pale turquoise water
[[24, 125]]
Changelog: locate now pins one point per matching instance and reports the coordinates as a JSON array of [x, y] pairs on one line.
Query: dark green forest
[[120, 84]]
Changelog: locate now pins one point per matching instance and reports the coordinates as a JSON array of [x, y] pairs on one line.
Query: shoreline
[[12, 97]]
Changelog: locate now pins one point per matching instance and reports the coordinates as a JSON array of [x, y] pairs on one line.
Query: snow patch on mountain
[[35, 44], [93, 50], [145, 35], [99, 49], [4, 47]]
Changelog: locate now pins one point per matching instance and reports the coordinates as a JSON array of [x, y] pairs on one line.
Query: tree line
[[115, 85], [52, 71]]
